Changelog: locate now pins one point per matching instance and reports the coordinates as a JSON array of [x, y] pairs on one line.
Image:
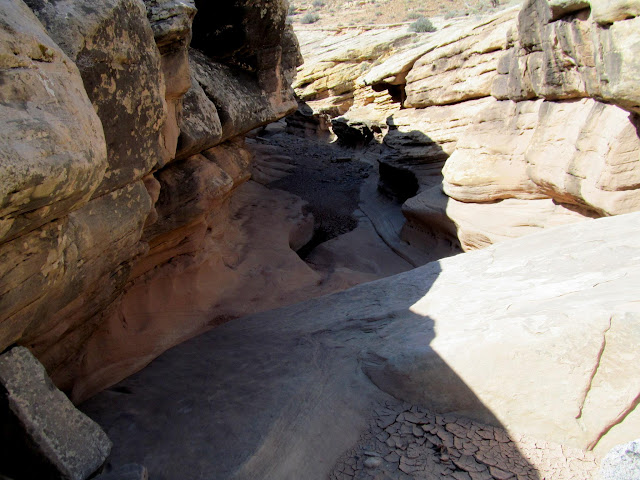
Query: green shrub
[[318, 3], [414, 16], [422, 25], [310, 18], [292, 9]]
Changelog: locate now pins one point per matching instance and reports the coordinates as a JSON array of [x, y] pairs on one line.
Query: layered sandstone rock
[[171, 22], [334, 59], [56, 275], [113, 45], [44, 176], [122, 149], [524, 119], [460, 68]]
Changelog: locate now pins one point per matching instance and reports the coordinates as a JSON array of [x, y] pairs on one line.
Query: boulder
[[171, 22], [200, 126], [113, 45], [225, 101], [241, 65], [52, 148], [43, 435], [352, 133]]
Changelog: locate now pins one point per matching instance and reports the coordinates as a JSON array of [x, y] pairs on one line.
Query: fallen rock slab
[[42, 434]]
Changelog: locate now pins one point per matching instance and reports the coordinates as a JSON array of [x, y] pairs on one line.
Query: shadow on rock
[[285, 393]]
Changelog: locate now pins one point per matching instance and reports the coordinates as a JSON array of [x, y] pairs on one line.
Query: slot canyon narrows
[[328, 239]]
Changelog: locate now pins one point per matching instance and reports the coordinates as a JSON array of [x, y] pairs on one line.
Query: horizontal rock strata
[[122, 148], [533, 107]]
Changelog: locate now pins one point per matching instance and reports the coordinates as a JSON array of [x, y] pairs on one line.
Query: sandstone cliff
[[129, 223], [121, 147], [499, 127]]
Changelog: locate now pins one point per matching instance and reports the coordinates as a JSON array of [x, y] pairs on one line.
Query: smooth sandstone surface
[[292, 388]]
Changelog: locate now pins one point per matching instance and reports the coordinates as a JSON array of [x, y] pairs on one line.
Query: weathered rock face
[[113, 45], [525, 119], [571, 51], [87, 246], [171, 22], [52, 146], [121, 149], [461, 68], [334, 60]]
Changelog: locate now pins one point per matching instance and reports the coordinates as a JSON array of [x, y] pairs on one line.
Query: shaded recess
[[234, 32], [397, 182], [219, 30]]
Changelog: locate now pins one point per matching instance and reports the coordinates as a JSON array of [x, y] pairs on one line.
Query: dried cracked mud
[[410, 442]]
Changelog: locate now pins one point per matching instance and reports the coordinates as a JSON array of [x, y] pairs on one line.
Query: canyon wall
[[494, 127], [128, 223], [121, 148]]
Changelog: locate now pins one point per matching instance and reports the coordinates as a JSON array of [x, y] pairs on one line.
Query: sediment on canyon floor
[[165, 189]]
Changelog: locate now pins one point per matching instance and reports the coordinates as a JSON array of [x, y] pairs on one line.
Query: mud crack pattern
[[410, 442]]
